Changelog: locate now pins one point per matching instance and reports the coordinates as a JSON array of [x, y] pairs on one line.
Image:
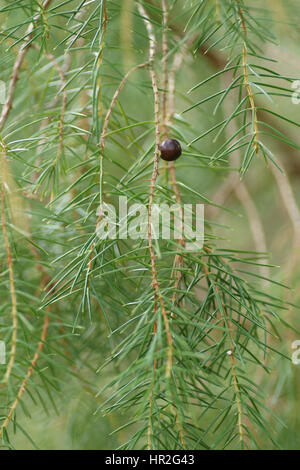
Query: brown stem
[[155, 284], [231, 354], [165, 70]]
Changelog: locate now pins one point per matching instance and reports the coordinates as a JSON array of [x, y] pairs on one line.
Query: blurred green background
[[72, 421]]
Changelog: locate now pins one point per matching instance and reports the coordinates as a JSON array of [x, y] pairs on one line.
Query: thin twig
[[168, 98], [231, 353], [64, 103], [100, 60], [12, 289], [256, 225], [233, 184], [155, 284], [246, 80], [178, 261], [17, 66], [292, 210], [30, 371], [3, 118], [63, 82], [113, 102], [178, 58], [165, 70], [104, 134], [44, 282], [288, 198], [99, 63]]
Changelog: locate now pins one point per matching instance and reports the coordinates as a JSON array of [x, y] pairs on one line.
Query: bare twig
[[178, 58], [288, 198], [292, 210], [255, 223]]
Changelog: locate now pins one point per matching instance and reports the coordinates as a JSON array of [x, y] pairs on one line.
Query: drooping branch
[[29, 373], [18, 64], [155, 284]]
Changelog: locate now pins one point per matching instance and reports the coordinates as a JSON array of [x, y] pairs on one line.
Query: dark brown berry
[[170, 150]]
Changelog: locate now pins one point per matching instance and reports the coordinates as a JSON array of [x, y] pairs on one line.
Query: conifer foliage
[[172, 345]]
